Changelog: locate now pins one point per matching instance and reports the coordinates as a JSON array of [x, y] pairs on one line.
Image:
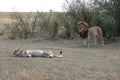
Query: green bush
[[109, 26], [69, 24], [54, 27], [20, 28], [18, 32], [38, 25]]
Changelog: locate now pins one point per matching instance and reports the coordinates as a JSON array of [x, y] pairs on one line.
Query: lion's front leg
[[88, 40], [85, 42]]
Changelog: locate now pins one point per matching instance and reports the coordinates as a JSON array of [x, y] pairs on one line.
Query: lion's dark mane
[[84, 34]]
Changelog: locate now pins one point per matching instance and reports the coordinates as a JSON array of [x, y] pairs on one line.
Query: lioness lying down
[[36, 53]]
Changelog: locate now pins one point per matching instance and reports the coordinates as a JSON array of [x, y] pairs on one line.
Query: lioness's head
[[17, 52], [82, 26]]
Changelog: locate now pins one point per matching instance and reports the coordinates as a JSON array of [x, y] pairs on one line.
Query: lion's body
[[36, 53], [90, 34]]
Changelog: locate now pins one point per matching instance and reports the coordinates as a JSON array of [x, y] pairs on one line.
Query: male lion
[[36, 53], [90, 33]]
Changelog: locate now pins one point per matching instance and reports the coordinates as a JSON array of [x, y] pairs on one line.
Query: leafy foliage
[[28, 26], [103, 13]]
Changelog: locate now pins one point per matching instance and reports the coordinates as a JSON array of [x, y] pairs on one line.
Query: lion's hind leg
[[100, 33], [102, 40], [94, 40]]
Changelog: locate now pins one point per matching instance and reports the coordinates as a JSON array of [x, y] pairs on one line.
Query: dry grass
[[78, 63]]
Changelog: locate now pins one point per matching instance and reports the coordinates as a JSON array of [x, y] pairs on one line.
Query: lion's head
[[82, 26], [83, 29]]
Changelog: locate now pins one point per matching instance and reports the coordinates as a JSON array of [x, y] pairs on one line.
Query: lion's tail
[[61, 55], [99, 31]]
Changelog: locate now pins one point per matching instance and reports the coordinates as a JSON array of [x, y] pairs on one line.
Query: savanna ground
[[78, 63]]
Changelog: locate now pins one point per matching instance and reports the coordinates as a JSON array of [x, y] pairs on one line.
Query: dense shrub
[[29, 25], [54, 27], [109, 26], [21, 28], [96, 12]]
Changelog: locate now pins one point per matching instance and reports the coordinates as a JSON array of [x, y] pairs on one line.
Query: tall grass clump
[[69, 24], [54, 27], [29, 25], [21, 27]]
